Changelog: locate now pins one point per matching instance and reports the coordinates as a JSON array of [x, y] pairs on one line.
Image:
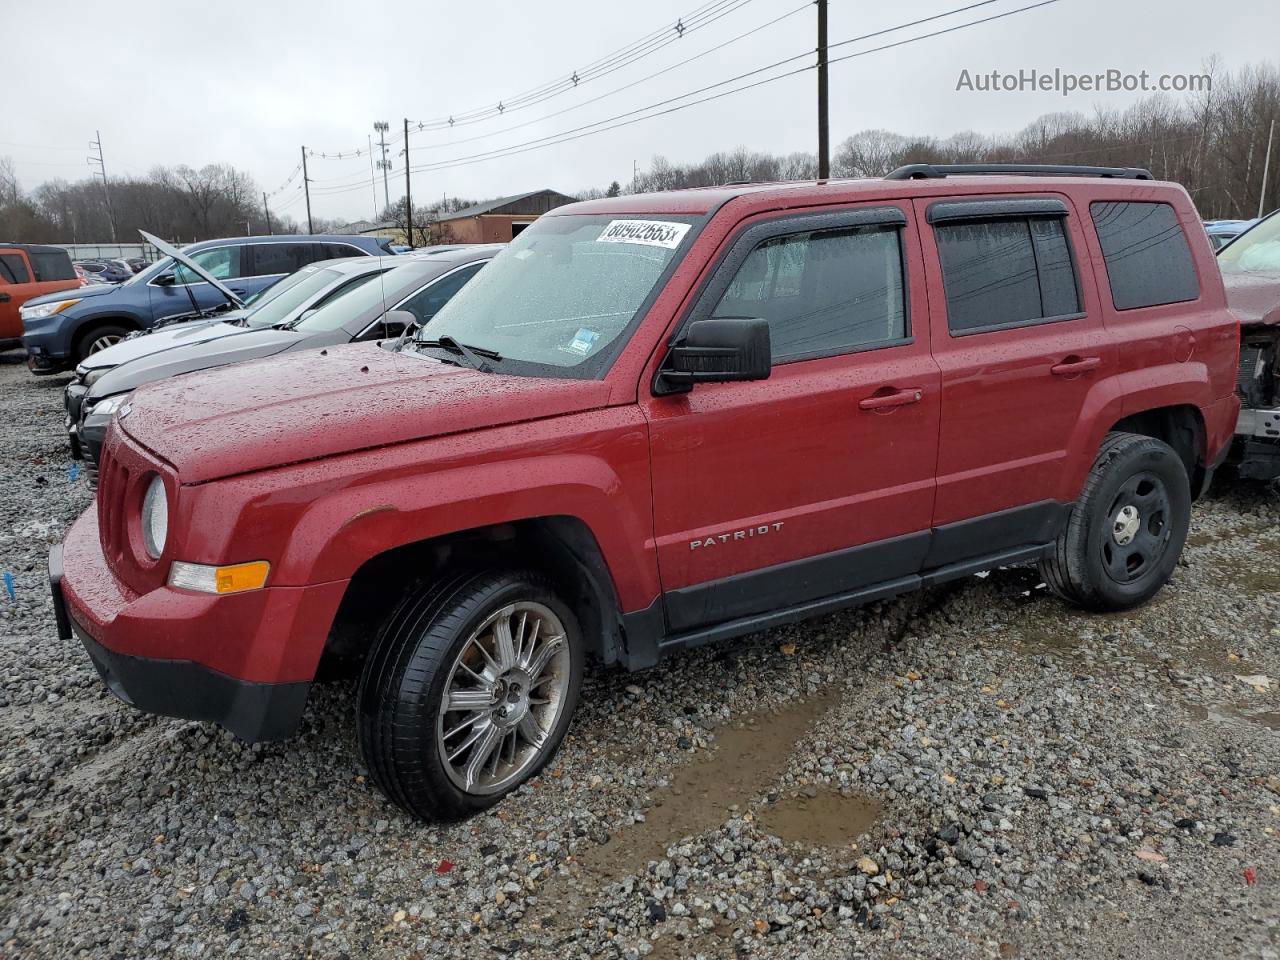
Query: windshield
[[1255, 251], [285, 296], [558, 301], [355, 299]]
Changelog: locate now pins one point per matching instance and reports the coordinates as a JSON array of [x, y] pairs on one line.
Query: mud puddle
[[825, 819], [1221, 713], [748, 757]]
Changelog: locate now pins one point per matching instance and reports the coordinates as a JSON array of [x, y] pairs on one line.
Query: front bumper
[[244, 661]]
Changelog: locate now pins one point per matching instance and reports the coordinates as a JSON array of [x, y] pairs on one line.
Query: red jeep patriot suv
[[653, 422]]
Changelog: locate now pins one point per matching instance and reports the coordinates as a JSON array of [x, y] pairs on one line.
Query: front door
[[1021, 347], [16, 287], [224, 263], [820, 479]]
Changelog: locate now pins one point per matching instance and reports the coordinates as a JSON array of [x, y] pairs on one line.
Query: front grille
[[1251, 377], [113, 479]]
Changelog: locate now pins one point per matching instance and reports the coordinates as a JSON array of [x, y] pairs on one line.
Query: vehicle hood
[[1254, 297], [315, 404], [74, 293], [236, 346], [162, 338]]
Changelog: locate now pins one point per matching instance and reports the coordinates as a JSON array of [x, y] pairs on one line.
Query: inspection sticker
[[652, 233]]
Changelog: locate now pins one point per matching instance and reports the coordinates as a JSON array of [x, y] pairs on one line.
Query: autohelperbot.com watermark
[[1066, 82]]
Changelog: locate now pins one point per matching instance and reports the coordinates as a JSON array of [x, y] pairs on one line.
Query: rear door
[[1021, 345], [16, 287], [818, 480]]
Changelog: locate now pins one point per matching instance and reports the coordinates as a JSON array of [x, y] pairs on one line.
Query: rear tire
[[468, 691], [99, 338], [1126, 531]]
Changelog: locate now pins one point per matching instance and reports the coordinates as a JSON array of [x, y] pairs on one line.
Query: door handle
[[898, 398], [5, 298], [1074, 366]]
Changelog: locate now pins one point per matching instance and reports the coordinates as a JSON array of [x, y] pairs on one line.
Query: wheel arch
[[90, 324], [562, 547], [1182, 427]]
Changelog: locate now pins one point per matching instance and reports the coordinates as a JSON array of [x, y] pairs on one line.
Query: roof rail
[[933, 171]]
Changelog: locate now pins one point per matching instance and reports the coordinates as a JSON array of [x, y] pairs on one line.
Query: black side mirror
[[715, 351], [165, 280]]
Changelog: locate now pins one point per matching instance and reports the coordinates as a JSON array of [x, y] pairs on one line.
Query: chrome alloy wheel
[[103, 342], [503, 698]]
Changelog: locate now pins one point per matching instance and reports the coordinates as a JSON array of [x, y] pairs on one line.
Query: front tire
[[98, 339], [468, 691], [1127, 530]]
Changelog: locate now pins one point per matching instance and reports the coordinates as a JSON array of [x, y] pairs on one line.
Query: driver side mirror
[[394, 323], [165, 280], [717, 350]]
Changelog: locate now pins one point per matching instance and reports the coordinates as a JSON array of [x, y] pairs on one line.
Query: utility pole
[[373, 182], [384, 164], [824, 146], [408, 198], [306, 186], [267, 210], [1266, 169], [106, 190], [635, 176]]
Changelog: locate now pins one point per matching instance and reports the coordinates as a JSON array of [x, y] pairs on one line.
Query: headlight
[[155, 517], [93, 374], [107, 407], [47, 309]]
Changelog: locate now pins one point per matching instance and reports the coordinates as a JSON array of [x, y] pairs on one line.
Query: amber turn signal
[[235, 578]]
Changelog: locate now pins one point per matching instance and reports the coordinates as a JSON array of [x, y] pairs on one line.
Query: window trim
[[744, 242], [1186, 239], [1003, 208], [26, 262], [1023, 214]]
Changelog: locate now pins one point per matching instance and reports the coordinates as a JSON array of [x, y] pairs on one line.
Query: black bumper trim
[[180, 688]]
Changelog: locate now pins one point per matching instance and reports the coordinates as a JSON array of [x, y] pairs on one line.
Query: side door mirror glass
[[717, 350]]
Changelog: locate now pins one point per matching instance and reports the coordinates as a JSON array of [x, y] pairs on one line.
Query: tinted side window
[[1147, 255], [13, 269], [270, 259], [426, 303], [1005, 272], [51, 265], [823, 293]]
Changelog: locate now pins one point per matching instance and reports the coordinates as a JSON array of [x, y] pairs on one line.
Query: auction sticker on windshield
[[652, 233]]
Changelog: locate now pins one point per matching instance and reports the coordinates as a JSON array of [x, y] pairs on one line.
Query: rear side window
[[51, 265], [823, 293], [13, 268], [1006, 272], [272, 259], [1147, 255]]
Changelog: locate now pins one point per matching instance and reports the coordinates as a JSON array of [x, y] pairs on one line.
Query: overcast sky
[[247, 83]]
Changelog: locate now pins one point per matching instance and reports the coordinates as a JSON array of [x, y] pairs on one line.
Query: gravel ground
[[974, 771]]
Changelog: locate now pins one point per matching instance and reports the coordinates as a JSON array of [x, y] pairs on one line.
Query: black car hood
[[188, 358], [162, 338], [75, 293]]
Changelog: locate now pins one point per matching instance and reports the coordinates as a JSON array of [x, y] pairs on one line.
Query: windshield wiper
[[473, 355]]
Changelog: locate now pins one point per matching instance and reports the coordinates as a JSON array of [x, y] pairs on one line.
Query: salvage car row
[[650, 423]]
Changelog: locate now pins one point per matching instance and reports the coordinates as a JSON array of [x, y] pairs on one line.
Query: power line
[[349, 183], [672, 104], [637, 50], [625, 119]]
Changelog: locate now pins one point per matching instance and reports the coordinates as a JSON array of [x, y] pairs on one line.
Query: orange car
[[28, 270]]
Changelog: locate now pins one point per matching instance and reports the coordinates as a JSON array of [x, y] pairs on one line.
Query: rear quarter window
[[51, 265], [1148, 258]]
